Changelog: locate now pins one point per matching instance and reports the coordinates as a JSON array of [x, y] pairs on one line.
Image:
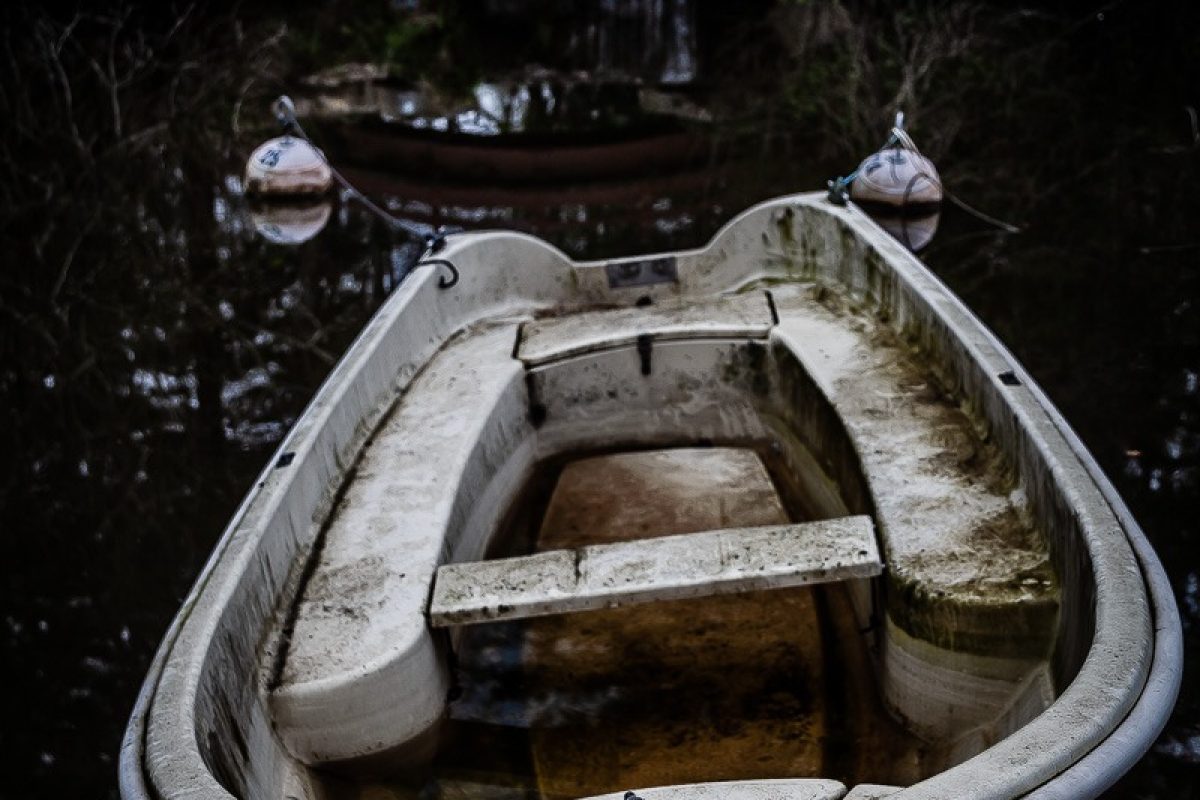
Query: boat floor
[[734, 687]]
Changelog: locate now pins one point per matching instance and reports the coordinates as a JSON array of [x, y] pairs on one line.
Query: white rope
[[285, 112]]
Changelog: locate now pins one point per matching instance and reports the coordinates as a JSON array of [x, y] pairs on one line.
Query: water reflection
[[290, 224], [180, 348], [914, 232], [534, 101]]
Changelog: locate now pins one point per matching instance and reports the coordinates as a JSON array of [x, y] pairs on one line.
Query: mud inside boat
[[488, 451]]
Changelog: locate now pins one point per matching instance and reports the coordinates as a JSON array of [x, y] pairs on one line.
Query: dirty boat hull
[[207, 720]]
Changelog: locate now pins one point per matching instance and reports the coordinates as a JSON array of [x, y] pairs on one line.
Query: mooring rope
[[285, 113], [839, 187]]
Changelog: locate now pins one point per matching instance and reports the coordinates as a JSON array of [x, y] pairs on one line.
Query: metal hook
[[434, 244], [443, 282]]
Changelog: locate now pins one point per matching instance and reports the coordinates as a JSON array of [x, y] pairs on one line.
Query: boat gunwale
[[265, 494], [1162, 676], [136, 764], [1155, 693], [1004, 769], [1111, 758]]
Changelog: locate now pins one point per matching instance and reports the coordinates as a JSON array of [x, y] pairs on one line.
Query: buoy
[[287, 166], [897, 176], [290, 223]]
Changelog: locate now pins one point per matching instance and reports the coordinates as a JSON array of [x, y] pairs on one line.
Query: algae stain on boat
[[748, 367], [879, 383]]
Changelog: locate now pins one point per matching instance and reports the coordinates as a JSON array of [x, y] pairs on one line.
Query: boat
[[797, 414], [657, 145]]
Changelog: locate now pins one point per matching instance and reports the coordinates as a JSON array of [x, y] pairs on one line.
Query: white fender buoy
[[897, 176], [287, 166], [290, 224]]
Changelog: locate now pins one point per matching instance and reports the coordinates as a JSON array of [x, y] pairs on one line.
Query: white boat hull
[[220, 713]]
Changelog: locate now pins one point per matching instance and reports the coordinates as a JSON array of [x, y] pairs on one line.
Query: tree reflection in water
[[154, 351]]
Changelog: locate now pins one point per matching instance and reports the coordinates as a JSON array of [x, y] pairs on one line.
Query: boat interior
[[777, 512]]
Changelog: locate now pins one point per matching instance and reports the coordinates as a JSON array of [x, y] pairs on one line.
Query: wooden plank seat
[[648, 570]]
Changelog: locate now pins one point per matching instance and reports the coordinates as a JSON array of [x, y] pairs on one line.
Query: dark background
[[154, 349]]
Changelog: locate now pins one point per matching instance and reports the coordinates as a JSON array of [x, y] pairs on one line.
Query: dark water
[[154, 349]]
